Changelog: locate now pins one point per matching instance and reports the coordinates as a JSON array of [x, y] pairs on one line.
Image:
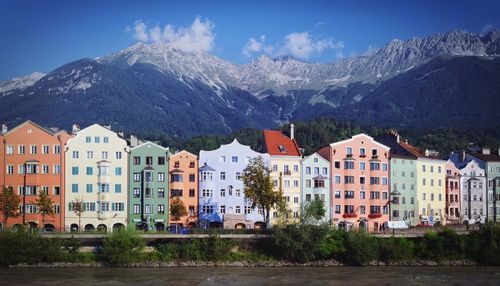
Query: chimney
[[75, 129], [397, 138], [121, 134], [461, 156], [292, 131], [486, 151], [4, 128], [107, 126], [133, 141]]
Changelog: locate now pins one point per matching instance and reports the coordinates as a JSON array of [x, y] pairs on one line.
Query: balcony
[[349, 215], [287, 173]]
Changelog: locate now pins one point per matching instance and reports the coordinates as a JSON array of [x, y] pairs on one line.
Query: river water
[[303, 276]]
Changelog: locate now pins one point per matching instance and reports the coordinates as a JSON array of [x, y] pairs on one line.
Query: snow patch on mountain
[[20, 82]]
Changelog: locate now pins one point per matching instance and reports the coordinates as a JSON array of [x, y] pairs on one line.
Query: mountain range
[[444, 80]]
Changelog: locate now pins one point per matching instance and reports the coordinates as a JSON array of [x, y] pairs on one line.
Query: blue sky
[[43, 35]]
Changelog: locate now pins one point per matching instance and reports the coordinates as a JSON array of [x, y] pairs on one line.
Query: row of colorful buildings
[[364, 182]]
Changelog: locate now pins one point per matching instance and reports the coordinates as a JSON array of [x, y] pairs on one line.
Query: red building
[[33, 162]]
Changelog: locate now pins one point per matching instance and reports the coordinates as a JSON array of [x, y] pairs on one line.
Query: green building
[[148, 187]]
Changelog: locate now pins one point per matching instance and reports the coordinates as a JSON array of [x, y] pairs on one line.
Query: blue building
[[222, 198]]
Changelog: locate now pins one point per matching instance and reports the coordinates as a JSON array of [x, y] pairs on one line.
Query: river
[[303, 276]]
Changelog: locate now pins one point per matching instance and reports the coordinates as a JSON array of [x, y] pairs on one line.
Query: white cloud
[[198, 37], [254, 46], [300, 45]]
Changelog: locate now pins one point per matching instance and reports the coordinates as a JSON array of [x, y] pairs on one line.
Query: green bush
[[122, 247], [27, 247], [395, 249], [333, 246], [299, 243], [360, 248], [484, 245]]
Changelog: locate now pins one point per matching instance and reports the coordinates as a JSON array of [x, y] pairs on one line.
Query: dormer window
[[282, 148]]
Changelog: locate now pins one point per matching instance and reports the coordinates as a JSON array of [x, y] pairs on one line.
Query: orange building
[[183, 183], [33, 162]]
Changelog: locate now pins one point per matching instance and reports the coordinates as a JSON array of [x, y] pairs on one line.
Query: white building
[[473, 192], [222, 196], [96, 174]]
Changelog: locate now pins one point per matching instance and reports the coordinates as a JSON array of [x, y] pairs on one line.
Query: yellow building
[[285, 162], [431, 186]]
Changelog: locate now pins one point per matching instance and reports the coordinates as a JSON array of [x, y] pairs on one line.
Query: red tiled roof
[[274, 139], [417, 152]]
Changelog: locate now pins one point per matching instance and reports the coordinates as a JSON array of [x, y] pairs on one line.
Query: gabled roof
[[206, 168], [492, 157], [356, 137], [277, 144], [397, 150], [47, 130], [183, 152], [417, 152], [150, 143]]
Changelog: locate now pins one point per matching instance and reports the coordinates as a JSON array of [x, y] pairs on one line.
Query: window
[[374, 180], [337, 164], [423, 181], [362, 165], [374, 166], [57, 149], [222, 159], [208, 209], [308, 170], [45, 169], [118, 171], [137, 209], [175, 193], [248, 210], [432, 169], [374, 195], [222, 192], [385, 181], [234, 159], [237, 209], [89, 171], [384, 195], [282, 148], [191, 193], [89, 188], [362, 195], [374, 152], [161, 209], [161, 160], [237, 193], [45, 149], [104, 188], [325, 171], [118, 155], [104, 155], [103, 170], [349, 194], [88, 139], [348, 151], [362, 152], [57, 169], [275, 168], [423, 168], [33, 149], [90, 154], [10, 149], [296, 183], [384, 166], [192, 177], [348, 179], [337, 179], [337, 209], [74, 170], [296, 200], [137, 177], [223, 176], [136, 193], [191, 210], [118, 188], [161, 192], [174, 177], [74, 188], [104, 207], [105, 139], [137, 160], [10, 169], [207, 193], [348, 165], [191, 164], [238, 176], [97, 139], [161, 177], [337, 194], [308, 198], [295, 168], [75, 155]]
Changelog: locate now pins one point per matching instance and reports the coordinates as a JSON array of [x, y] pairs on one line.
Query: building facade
[[473, 193], [148, 187], [222, 199], [453, 197], [285, 160], [33, 162], [96, 174], [316, 183], [183, 184], [489, 160], [359, 182]]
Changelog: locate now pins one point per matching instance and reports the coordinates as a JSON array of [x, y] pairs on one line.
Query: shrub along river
[[471, 275]]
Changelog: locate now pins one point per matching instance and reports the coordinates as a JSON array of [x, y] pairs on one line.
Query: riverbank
[[321, 263]]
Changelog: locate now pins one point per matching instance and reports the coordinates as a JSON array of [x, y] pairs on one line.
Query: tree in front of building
[[259, 187], [314, 210], [78, 209], [45, 206], [9, 204], [177, 210]]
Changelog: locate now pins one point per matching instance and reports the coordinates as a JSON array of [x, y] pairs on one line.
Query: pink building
[[453, 207], [359, 182]]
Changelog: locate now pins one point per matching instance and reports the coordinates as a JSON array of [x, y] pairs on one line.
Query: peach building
[[33, 162], [359, 182], [183, 183], [453, 207]]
